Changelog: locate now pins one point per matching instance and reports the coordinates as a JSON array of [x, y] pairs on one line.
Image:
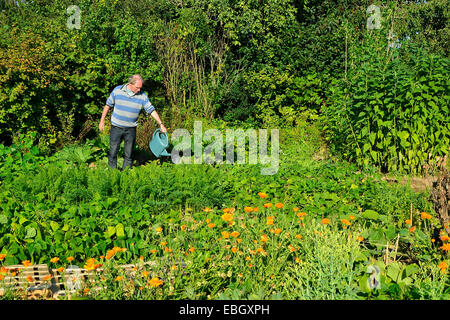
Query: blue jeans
[[116, 136]]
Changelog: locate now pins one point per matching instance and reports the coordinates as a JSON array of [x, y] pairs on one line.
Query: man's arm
[[155, 116], [101, 125]]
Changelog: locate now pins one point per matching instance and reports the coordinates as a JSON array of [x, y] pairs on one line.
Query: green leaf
[[370, 214], [3, 219], [54, 225], [110, 232], [30, 233], [120, 231]]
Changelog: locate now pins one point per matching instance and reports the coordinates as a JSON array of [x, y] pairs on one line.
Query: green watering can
[[159, 143]]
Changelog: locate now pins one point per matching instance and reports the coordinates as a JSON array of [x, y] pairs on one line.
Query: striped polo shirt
[[127, 106]]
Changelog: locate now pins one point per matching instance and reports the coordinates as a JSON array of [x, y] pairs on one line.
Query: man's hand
[[101, 126], [163, 128]]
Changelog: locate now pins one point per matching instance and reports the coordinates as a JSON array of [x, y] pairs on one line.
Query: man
[[127, 101]]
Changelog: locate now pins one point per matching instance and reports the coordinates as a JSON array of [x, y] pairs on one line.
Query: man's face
[[138, 83]]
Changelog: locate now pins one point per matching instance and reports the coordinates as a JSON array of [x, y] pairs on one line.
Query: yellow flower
[[174, 267], [298, 236], [145, 274], [159, 229], [119, 278]]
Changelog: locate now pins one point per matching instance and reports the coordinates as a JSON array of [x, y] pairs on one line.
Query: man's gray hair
[[134, 77]]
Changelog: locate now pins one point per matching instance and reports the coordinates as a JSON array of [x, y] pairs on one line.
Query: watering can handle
[[156, 131]]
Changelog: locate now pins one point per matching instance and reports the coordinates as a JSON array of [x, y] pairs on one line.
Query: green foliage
[[393, 111]]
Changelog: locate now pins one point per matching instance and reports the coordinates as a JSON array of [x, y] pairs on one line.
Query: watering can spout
[[165, 153]]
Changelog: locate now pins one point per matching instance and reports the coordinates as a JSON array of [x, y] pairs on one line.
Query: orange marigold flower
[[255, 209], [26, 263], [183, 227], [412, 229], [47, 277], [325, 221], [110, 254], [153, 251], [359, 238], [408, 221], [191, 249], [30, 279], [446, 246], [225, 234], [346, 222], [69, 259], [119, 278], [301, 214], [207, 209], [264, 238], [443, 265], [270, 220], [159, 229], [234, 234], [291, 248], [297, 259], [145, 274], [295, 209], [155, 282], [211, 225], [425, 215], [234, 249], [276, 231], [279, 205], [227, 217], [298, 236], [262, 195], [60, 269], [267, 205], [248, 209], [2, 256], [167, 249], [54, 260], [445, 238], [163, 243], [352, 217]]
